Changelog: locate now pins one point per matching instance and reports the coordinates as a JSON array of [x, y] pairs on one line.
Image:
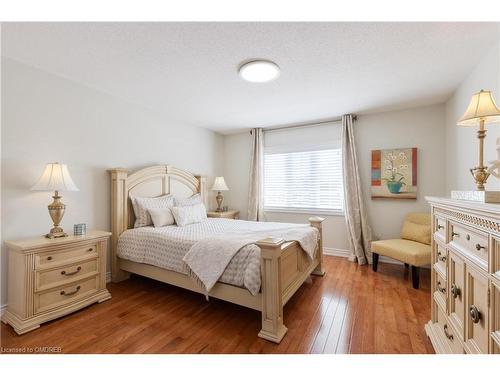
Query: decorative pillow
[[185, 215], [142, 204], [191, 201], [161, 216], [416, 232]]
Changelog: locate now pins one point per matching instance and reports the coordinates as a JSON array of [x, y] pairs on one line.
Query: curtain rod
[[305, 124]]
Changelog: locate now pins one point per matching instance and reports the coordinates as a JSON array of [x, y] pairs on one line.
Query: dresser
[[229, 214], [49, 278], [465, 277]]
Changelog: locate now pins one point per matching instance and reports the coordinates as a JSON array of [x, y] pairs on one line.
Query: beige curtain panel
[[256, 189], [359, 231]]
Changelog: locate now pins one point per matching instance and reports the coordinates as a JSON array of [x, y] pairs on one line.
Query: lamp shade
[[482, 106], [219, 184], [55, 177]]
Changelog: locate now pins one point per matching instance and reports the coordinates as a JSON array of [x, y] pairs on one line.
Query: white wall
[[419, 127], [47, 118], [461, 142]]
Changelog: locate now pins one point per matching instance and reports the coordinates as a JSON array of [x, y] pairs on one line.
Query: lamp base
[[56, 233], [219, 198], [480, 175], [56, 211]]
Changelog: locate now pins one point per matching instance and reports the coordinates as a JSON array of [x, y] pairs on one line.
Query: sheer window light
[[304, 181]]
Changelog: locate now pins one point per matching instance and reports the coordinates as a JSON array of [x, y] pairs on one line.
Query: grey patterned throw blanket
[[207, 259]]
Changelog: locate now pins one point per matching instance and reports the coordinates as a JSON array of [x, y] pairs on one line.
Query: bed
[[262, 276]]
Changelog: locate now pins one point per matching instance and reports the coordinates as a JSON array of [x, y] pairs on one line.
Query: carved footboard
[[284, 268]]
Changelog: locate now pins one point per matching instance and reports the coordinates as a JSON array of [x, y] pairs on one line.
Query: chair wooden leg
[[415, 276], [374, 261]]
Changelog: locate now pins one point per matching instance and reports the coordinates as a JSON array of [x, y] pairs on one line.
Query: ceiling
[[187, 72]]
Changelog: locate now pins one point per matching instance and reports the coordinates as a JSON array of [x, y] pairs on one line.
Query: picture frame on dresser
[[465, 293]]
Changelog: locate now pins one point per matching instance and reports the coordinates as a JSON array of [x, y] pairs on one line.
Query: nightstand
[[49, 278], [230, 214]]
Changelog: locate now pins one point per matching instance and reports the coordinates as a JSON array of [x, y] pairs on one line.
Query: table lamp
[[219, 185], [483, 110], [56, 178]]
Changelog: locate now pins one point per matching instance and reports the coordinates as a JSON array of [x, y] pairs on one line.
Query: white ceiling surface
[[187, 72]]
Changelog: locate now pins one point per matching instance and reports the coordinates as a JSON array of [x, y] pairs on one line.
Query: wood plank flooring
[[350, 310]]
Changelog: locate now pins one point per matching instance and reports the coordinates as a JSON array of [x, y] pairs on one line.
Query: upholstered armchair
[[413, 248]]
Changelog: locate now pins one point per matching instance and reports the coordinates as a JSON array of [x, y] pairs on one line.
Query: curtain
[[256, 190], [359, 231]]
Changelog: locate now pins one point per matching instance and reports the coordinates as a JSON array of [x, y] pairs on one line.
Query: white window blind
[[304, 178]]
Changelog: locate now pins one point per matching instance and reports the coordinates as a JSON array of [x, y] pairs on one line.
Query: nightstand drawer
[[51, 278], [65, 294], [56, 257]]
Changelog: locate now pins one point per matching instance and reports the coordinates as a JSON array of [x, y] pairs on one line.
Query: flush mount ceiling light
[[259, 71]]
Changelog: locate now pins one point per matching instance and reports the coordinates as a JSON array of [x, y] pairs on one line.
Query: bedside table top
[[42, 241], [222, 213]]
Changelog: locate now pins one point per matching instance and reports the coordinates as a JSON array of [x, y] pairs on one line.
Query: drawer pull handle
[[78, 269], [479, 247], [49, 258], [449, 336], [467, 237], [90, 249], [453, 234], [441, 257], [455, 290], [474, 314], [440, 226], [64, 293], [441, 289]]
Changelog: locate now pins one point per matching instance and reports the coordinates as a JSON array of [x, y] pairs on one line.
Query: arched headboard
[[147, 182]]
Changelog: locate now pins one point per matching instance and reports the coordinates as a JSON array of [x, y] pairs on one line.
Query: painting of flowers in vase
[[394, 173]]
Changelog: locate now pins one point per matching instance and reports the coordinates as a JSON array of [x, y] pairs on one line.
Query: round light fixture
[[259, 71]]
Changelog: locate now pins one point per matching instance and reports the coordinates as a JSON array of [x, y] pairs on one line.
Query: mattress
[[166, 246]]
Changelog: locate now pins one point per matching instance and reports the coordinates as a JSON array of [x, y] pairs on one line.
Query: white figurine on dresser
[[465, 281]]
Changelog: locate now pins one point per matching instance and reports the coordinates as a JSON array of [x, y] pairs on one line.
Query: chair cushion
[[416, 232], [411, 252], [419, 218]]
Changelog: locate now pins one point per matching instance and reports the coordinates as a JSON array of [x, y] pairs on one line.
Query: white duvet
[[166, 247]]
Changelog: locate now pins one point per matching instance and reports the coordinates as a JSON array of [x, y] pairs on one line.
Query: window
[[305, 180]]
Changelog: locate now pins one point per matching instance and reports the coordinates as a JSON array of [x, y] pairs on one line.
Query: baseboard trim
[[344, 253]]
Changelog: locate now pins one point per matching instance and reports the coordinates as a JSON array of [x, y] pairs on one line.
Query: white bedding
[[166, 246]]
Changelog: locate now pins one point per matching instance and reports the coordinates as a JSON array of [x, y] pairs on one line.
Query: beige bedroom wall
[[461, 142], [47, 118], [418, 127]]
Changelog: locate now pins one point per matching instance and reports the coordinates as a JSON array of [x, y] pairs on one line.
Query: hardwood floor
[[350, 310]]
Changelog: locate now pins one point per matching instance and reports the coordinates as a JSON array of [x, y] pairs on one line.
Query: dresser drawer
[[440, 257], [477, 335], [440, 291], [55, 258], [456, 287], [440, 228], [63, 295], [495, 259], [472, 243], [51, 278], [447, 331]]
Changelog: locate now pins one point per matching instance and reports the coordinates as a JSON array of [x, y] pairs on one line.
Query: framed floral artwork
[[394, 173]]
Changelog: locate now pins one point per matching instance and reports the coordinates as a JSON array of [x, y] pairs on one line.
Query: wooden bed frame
[[284, 265]]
